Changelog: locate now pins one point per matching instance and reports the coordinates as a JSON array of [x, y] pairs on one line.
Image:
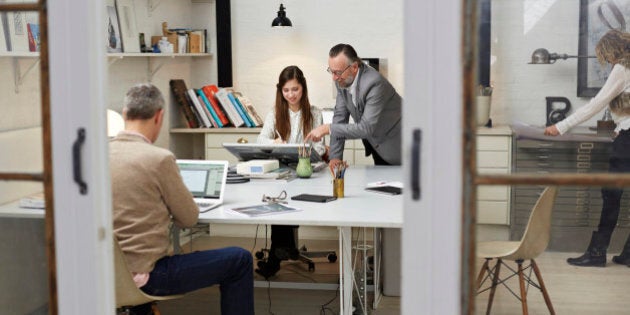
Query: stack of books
[[213, 107]]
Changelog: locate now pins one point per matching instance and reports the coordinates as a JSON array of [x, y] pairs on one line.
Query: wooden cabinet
[[494, 156], [206, 143]]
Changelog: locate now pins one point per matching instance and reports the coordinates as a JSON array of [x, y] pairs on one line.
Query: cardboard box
[[172, 38]]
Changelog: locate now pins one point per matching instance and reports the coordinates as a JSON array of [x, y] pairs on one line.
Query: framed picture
[[114, 44], [128, 29], [596, 18], [18, 31]]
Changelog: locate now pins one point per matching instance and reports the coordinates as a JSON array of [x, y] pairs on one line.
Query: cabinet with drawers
[[204, 143], [494, 156], [577, 208]]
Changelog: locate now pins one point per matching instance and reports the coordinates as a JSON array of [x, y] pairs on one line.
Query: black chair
[[284, 240]]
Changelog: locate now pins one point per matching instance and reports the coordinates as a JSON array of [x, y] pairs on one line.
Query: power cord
[[325, 307]]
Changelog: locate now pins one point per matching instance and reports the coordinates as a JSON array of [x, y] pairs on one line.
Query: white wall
[[518, 28], [373, 28]]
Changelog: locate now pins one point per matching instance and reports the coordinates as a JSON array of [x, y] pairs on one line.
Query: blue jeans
[[230, 268]]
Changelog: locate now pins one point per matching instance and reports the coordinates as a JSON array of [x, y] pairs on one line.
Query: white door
[[83, 233], [433, 96]]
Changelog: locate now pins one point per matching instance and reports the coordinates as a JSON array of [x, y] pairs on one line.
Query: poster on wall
[[114, 45], [596, 18]]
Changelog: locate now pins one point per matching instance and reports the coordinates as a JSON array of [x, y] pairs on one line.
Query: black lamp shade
[[281, 19]]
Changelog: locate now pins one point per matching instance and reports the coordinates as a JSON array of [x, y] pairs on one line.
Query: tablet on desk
[[313, 198]]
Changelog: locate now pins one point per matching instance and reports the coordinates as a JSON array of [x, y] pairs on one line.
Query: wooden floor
[[274, 300], [572, 290]]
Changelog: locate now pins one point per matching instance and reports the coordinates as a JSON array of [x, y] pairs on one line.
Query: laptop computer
[[205, 179]]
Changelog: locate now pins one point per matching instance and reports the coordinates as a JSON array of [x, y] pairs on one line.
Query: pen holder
[[338, 187], [304, 168]]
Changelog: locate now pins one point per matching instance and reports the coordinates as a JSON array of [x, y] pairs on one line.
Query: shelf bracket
[[17, 72], [113, 60], [152, 5], [154, 68]]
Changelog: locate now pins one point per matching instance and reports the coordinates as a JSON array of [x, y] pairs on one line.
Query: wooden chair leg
[[521, 281], [495, 280], [482, 273], [155, 309], [542, 287]]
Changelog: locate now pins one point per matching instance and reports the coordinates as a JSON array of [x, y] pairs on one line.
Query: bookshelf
[[153, 65]]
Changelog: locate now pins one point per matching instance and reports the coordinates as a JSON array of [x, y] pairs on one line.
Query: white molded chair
[[127, 294], [533, 243]]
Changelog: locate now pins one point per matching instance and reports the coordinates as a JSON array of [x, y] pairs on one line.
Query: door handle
[[415, 164], [76, 161]]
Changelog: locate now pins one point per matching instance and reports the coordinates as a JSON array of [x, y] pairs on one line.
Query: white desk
[[358, 208]]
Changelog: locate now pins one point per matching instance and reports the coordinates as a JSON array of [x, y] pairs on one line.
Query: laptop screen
[[204, 180]]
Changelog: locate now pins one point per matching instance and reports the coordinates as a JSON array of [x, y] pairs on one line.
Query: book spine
[[251, 111], [198, 116], [244, 109], [210, 91], [198, 107], [209, 107], [239, 110], [223, 99], [178, 87], [212, 121]]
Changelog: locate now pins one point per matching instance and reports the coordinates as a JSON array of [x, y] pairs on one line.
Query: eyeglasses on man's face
[[338, 73]]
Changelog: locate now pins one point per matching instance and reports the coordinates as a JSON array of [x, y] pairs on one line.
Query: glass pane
[[537, 68], [530, 78], [24, 271]]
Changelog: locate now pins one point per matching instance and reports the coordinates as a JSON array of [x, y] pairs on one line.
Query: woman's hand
[[552, 131], [278, 140]]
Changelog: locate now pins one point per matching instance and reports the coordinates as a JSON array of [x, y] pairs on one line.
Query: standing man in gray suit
[[375, 107]]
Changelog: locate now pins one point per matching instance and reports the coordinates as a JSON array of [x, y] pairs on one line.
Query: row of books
[[213, 107], [19, 32]]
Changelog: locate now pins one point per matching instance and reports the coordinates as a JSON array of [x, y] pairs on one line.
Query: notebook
[[206, 181]]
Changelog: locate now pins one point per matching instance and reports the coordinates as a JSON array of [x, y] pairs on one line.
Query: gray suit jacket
[[376, 116]]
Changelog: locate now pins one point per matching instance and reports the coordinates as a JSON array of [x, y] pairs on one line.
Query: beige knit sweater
[[147, 193]]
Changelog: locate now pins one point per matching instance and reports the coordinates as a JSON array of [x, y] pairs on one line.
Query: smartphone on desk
[[389, 190], [313, 198]]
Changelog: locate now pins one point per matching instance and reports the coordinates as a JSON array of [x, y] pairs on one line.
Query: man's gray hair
[[347, 51], [143, 101]]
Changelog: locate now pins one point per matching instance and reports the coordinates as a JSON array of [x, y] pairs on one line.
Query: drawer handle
[[242, 140]]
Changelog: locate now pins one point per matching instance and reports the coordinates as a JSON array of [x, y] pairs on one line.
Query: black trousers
[[378, 160], [619, 162]]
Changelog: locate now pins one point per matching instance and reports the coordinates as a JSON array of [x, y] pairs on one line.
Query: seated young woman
[[290, 121]]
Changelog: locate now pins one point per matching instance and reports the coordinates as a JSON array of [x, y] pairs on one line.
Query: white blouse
[[618, 82], [268, 133]]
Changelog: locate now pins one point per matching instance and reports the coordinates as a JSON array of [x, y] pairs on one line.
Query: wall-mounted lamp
[[542, 56], [281, 20]]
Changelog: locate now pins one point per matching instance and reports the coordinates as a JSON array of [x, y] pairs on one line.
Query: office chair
[[534, 241], [291, 252], [127, 294]]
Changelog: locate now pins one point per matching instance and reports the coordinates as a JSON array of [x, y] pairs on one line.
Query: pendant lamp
[[281, 20]]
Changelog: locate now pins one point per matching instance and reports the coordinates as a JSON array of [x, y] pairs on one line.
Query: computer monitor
[[285, 153]]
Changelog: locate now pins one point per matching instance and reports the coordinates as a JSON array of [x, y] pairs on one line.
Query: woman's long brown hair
[[283, 122]]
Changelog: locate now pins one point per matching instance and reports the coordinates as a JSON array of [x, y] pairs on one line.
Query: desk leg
[[345, 270], [377, 267]]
